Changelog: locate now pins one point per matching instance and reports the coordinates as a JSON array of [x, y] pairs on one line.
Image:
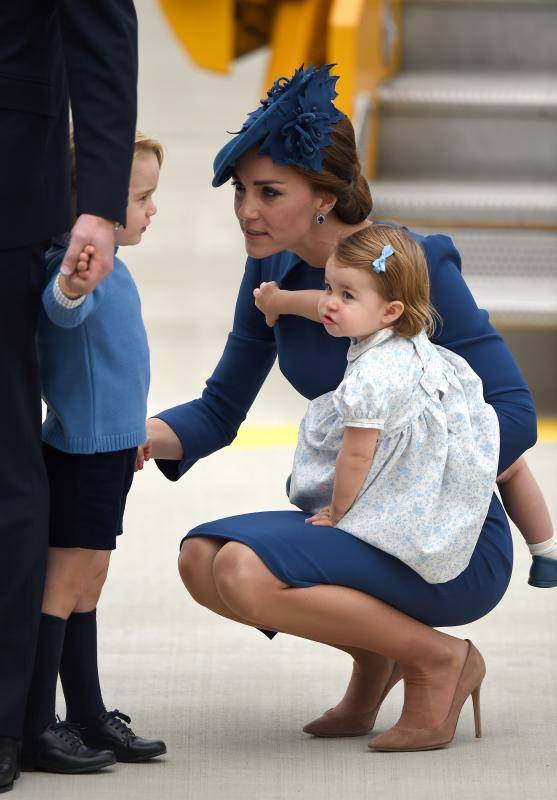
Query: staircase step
[[458, 124], [511, 273], [516, 34], [467, 203]]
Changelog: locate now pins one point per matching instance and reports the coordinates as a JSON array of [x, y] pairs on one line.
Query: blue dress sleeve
[[212, 421], [466, 330]]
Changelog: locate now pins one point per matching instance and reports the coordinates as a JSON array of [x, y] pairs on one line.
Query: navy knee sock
[[41, 700], [79, 670]]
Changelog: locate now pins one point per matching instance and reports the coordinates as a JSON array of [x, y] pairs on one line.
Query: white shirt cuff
[[61, 298]]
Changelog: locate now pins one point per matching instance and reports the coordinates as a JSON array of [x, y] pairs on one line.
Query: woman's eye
[[237, 186], [268, 192]]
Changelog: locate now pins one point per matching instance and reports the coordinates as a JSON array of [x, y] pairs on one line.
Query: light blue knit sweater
[[94, 362]]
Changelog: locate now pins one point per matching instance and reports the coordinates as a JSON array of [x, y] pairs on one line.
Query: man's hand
[[98, 233], [266, 301], [324, 518], [144, 452]]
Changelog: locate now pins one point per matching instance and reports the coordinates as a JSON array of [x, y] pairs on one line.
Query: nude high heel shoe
[[399, 739], [331, 725]]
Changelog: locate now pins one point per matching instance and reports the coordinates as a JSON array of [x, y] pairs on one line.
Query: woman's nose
[[247, 209]]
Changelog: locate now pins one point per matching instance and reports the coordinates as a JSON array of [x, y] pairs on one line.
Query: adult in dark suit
[[52, 53]]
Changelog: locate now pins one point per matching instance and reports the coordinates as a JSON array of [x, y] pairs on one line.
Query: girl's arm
[[352, 466], [274, 302]]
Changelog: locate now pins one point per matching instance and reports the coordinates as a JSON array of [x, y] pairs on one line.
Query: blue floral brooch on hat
[[292, 124]]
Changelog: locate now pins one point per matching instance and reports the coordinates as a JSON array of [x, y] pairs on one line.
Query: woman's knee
[[243, 581], [195, 564]]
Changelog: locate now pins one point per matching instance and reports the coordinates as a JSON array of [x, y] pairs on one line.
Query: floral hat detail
[[292, 124]]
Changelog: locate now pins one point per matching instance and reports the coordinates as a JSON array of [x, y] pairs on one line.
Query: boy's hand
[[324, 518], [74, 286], [144, 452], [99, 232], [266, 301]]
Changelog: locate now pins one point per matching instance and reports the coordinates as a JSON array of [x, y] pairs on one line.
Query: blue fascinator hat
[[292, 124]]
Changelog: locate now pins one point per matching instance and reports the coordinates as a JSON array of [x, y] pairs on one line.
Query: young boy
[[94, 361]]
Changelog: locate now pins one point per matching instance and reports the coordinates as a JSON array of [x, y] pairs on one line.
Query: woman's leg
[[79, 666], [370, 671], [195, 565], [431, 660]]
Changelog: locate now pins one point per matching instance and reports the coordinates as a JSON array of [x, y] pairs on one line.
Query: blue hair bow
[[379, 265]]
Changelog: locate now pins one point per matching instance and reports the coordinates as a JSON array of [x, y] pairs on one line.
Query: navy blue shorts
[[301, 555], [88, 496]]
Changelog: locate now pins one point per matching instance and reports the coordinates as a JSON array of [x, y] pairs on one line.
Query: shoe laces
[[117, 720], [67, 731]]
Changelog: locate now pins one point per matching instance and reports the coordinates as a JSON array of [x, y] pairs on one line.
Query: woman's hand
[[325, 518], [266, 298], [164, 442]]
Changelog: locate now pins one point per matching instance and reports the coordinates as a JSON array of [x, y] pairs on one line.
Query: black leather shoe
[[9, 762], [110, 731], [59, 748]]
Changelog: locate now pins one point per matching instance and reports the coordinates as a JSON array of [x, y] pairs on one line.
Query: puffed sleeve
[[210, 422], [362, 402]]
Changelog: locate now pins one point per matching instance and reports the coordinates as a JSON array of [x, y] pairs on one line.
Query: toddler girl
[[94, 360], [404, 453]]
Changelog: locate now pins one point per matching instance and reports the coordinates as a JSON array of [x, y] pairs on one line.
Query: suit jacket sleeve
[[212, 421], [100, 50]]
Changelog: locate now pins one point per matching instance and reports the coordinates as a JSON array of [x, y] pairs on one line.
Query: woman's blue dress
[[314, 363]]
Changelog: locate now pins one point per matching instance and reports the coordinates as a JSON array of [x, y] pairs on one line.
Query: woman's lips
[[253, 234]]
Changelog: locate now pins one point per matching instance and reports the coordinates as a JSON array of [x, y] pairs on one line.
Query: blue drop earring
[[320, 219]]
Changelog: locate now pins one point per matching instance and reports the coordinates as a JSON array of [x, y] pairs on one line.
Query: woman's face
[[275, 205]]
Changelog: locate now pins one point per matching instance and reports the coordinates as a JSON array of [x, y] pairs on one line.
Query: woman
[[298, 189]]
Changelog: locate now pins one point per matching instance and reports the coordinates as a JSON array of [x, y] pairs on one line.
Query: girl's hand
[[144, 452], [323, 518], [266, 301]]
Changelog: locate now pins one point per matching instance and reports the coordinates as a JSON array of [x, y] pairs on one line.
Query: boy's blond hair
[[406, 277], [142, 143]]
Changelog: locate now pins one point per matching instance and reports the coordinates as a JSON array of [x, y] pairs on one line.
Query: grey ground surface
[[229, 703]]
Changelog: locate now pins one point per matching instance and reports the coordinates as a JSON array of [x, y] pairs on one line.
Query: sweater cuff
[[61, 298]]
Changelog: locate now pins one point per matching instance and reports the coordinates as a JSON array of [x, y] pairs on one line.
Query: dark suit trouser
[[23, 484]]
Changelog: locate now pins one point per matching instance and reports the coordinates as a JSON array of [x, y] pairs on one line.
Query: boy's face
[[143, 183]]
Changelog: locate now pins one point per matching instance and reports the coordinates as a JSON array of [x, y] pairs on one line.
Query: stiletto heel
[[477, 712], [399, 739]]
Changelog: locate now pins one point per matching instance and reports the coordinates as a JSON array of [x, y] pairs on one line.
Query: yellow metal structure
[[364, 40], [361, 36]]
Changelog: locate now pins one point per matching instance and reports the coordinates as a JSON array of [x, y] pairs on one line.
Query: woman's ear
[[393, 311], [325, 202]]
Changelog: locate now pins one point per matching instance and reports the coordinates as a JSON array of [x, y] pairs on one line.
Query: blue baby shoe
[[543, 572]]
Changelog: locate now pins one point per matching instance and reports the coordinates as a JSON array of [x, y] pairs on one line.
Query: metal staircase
[[468, 145]]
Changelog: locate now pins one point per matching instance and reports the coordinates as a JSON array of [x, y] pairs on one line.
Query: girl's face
[[143, 183], [275, 205], [351, 305]]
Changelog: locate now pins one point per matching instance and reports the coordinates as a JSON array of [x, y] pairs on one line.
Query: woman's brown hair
[[406, 276], [342, 176]]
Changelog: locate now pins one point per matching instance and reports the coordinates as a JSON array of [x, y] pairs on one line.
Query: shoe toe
[[543, 572]]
